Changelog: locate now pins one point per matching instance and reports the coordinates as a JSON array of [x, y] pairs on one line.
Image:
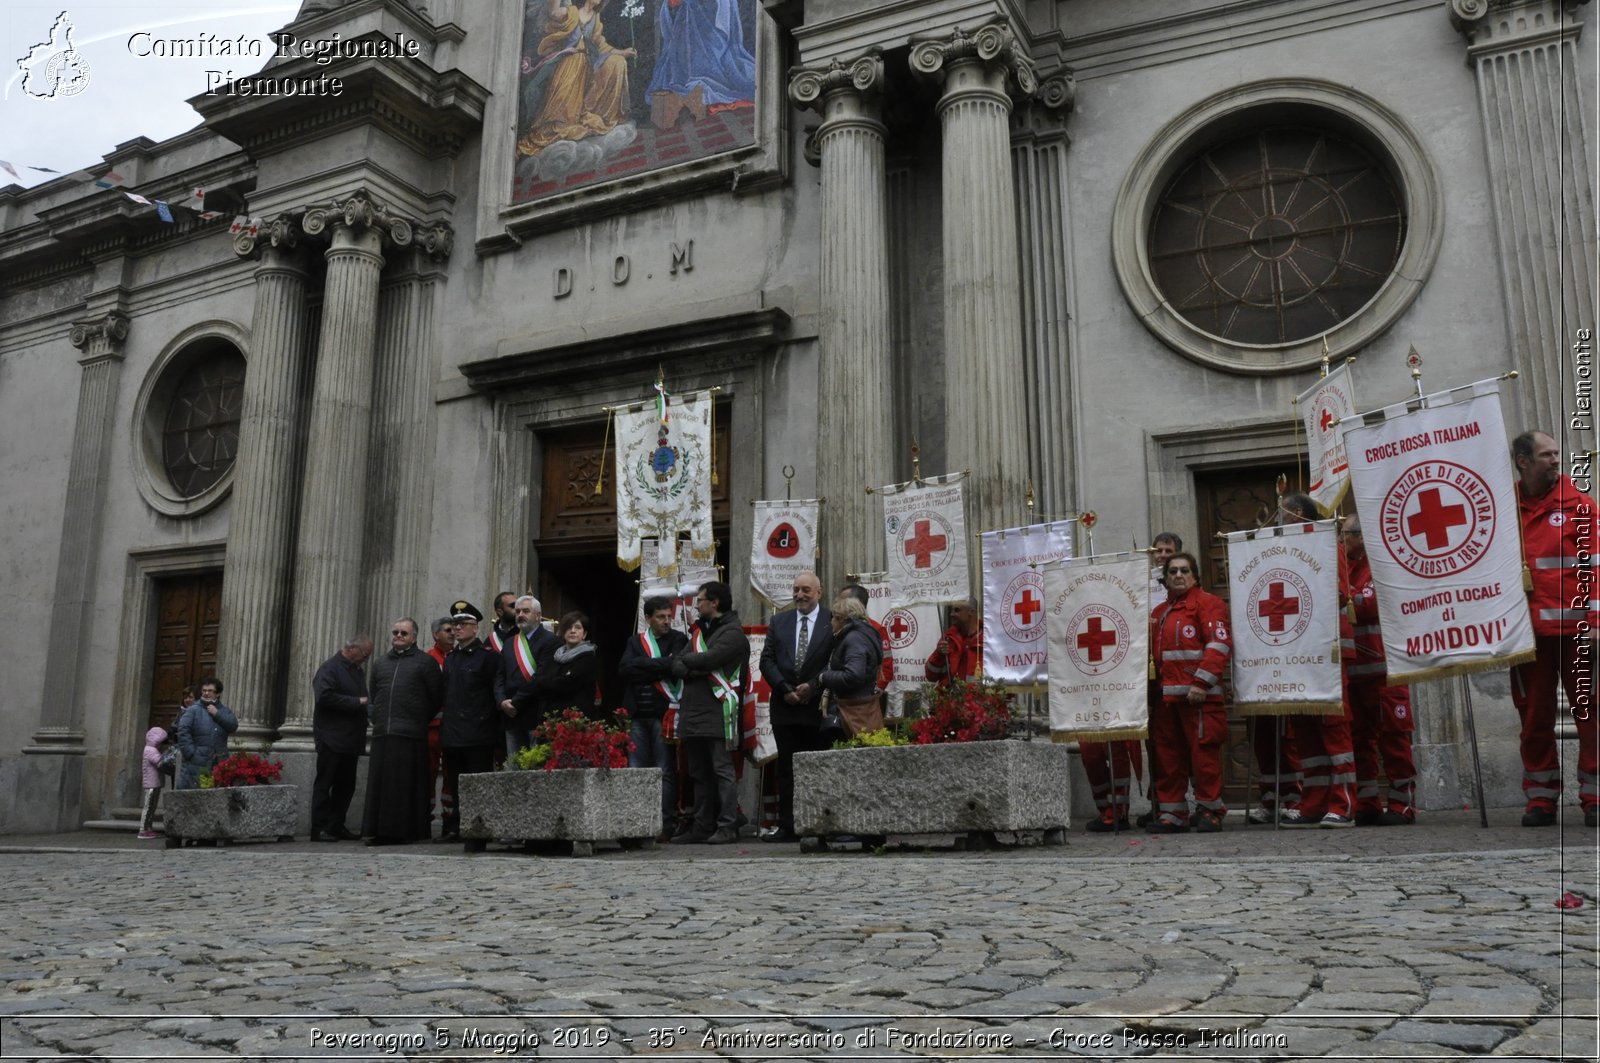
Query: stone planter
[[953, 788], [582, 806], [231, 813]]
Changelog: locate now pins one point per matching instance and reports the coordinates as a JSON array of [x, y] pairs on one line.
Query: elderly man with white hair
[[529, 649]]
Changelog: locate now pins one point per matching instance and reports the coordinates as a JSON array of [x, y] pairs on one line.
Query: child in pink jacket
[[152, 781]]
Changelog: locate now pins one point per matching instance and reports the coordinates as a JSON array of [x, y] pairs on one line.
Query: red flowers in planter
[[576, 741], [963, 712], [246, 769]]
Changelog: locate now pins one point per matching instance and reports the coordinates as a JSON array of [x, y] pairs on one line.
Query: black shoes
[[723, 836], [1102, 825], [1591, 816], [781, 835], [318, 836], [1540, 817], [689, 837]]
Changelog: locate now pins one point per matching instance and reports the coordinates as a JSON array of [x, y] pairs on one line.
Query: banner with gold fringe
[[664, 477], [1323, 408], [1013, 599], [1097, 627], [1284, 604], [1434, 489]]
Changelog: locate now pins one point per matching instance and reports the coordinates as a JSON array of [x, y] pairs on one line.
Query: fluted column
[[400, 498], [60, 728], [855, 407], [1039, 160], [333, 502], [986, 402], [1540, 144], [261, 522]]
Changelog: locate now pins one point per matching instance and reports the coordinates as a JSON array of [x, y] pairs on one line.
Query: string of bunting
[[163, 208]]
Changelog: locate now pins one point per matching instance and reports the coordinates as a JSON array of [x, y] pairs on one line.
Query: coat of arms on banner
[[1323, 407], [664, 477], [1097, 620], [680, 586], [1438, 506], [925, 537], [784, 546], [1284, 605], [1013, 599]]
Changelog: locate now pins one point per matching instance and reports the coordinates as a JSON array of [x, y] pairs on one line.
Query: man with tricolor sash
[[1558, 529], [649, 693], [713, 671], [527, 649]]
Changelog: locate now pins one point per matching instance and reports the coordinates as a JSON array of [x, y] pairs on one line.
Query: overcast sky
[[126, 96]]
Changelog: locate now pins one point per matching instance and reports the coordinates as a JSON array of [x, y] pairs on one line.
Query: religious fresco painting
[[613, 88]]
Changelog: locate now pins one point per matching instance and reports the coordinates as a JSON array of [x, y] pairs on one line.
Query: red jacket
[[1558, 541], [1370, 662], [965, 660], [1190, 642]]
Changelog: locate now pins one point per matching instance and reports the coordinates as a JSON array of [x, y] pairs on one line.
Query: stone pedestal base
[[231, 813], [580, 806], [939, 789], [43, 793]]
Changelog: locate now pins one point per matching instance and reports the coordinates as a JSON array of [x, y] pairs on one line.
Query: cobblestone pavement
[[1366, 944]]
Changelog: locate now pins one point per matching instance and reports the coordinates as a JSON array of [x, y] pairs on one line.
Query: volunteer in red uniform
[[1380, 715], [1558, 529], [1191, 645], [959, 654]]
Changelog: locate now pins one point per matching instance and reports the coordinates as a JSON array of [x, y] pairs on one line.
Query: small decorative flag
[[164, 212], [8, 168]]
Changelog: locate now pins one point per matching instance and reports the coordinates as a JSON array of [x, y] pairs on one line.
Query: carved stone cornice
[[994, 43], [810, 86], [1505, 25], [100, 337]]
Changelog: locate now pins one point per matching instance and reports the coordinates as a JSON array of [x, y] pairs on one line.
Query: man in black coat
[[529, 650], [339, 729], [471, 731], [713, 670], [799, 642], [648, 690]]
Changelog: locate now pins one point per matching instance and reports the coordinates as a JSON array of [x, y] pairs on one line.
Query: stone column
[[855, 407], [400, 500], [1039, 156], [261, 522], [1540, 144], [53, 784], [987, 404], [333, 503]]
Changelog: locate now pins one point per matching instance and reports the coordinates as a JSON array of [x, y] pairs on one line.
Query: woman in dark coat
[[852, 672], [203, 732], [407, 688], [569, 682]]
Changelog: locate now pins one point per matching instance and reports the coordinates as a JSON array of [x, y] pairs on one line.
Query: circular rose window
[[186, 430]]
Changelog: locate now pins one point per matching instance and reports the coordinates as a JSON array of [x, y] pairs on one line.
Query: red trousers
[[1188, 740], [1110, 767], [1277, 760], [1328, 761], [1380, 729], [1533, 691]]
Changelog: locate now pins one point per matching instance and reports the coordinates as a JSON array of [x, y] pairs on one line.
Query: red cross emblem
[[1438, 519], [1327, 420], [898, 626], [1099, 640], [1028, 606], [923, 544], [1094, 639], [902, 628], [1277, 607], [1433, 519]]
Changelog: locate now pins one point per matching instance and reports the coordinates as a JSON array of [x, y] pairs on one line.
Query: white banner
[[1013, 599], [681, 588], [1097, 618], [1323, 408], [925, 541], [913, 632], [784, 546], [760, 747], [1438, 507], [663, 478], [1284, 601]]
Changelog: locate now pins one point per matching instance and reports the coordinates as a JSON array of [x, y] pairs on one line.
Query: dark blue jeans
[[651, 751]]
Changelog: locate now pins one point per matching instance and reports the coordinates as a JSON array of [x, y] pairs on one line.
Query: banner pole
[[1277, 767], [1111, 773], [1472, 736]]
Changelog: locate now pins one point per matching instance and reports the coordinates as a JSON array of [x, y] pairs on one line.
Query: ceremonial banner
[[681, 588], [1013, 599], [1097, 623], [925, 541], [664, 477], [1284, 600], [913, 632], [1323, 407], [759, 745], [785, 546], [1433, 486]]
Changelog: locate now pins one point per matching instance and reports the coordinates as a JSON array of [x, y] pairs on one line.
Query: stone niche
[[949, 788], [231, 813], [580, 805]]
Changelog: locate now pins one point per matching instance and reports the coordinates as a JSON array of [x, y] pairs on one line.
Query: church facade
[[1087, 251]]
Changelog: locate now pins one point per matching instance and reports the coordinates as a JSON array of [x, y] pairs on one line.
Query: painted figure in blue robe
[[703, 66]]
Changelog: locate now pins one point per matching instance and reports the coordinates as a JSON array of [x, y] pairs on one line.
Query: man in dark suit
[[799, 642], [528, 650]]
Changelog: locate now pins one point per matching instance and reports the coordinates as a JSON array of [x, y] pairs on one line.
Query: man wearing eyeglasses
[[1191, 645], [407, 688], [339, 729]]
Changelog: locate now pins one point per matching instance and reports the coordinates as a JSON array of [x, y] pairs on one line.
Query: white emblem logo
[[54, 67]]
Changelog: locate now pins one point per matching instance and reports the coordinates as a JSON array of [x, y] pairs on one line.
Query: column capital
[[282, 234], [357, 212], [100, 337], [863, 76], [1509, 25], [993, 44]]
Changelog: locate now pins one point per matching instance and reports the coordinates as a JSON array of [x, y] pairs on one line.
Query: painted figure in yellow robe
[[578, 84]]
